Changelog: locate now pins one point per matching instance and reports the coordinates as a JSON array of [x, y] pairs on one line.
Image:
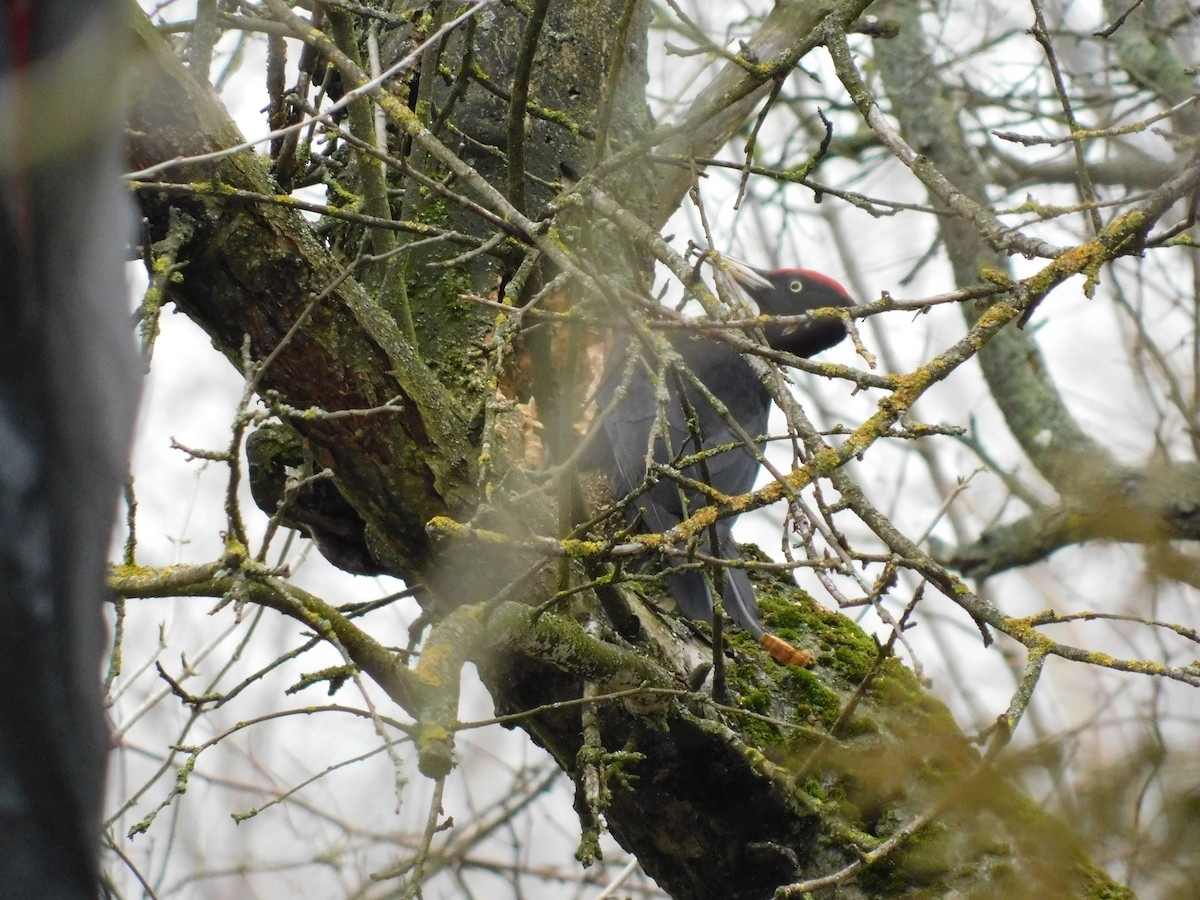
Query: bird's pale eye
[[796, 286]]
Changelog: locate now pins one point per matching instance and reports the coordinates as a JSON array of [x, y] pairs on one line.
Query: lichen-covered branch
[[236, 577]]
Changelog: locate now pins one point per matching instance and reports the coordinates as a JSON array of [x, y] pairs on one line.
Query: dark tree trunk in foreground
[[848, 774], [68, 392]]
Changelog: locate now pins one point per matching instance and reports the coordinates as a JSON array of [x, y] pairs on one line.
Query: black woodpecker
[[621, 449]]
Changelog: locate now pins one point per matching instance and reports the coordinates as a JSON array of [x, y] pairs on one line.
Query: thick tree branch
[[254, 270], [1160, 502]]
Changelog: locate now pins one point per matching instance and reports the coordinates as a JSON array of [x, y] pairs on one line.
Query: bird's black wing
[[621, 447], [734, 385], [621, 451]]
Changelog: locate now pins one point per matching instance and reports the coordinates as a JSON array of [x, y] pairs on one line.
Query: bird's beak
[[739, 271]]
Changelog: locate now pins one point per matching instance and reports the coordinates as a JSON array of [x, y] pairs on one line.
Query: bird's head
[[793, 292]]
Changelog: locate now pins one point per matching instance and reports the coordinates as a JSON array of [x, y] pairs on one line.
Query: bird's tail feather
[[740, 602], [692, 596]]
